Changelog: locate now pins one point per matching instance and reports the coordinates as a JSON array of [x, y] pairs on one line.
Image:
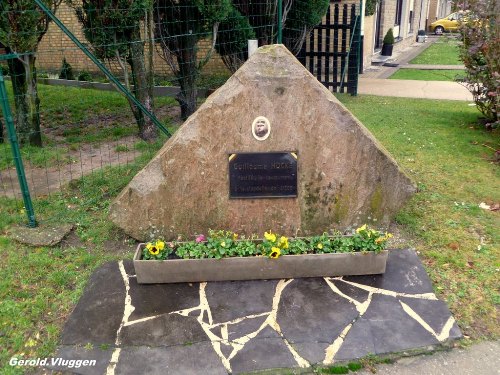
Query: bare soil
[[87, 159]]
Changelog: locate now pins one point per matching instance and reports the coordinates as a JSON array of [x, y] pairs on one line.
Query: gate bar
[[346, 64]]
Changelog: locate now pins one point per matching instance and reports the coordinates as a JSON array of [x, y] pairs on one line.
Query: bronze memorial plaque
[[263, 175]]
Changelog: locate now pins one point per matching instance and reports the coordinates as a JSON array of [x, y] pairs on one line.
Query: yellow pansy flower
[[153, 250], [271, 237], [283, 242], [320, 246], [160, 245], [360, 229], [275, 252]]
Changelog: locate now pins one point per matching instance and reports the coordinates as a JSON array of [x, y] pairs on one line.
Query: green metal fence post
[[103, 69], [280, 25], [21, 175]]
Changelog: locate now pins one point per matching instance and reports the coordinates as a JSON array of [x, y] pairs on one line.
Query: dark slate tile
[[313, 352], [129, 267], [76, 353], [244, 327], [199, 358], [434, 313], [392, 329], [263, 353], [455, 333], [97, 316], [230, 300], [226, 349], [358, 342], [355, 293], [404, 274], [168, 329], [155, 299], [310, 311]]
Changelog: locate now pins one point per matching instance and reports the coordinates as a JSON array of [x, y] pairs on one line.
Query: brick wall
[[55, 46]]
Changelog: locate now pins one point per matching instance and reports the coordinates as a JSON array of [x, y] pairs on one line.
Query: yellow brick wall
[[55, 46]]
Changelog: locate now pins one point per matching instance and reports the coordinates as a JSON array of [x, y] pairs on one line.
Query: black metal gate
[[332, 50]]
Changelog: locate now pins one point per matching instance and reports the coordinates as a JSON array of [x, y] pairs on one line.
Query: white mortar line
[[113, 362], [270, 321], [273, 322], [128, 308], [185, 312], [429, 296], [224, 333], [204, 303], [445, 332], [214, 339], [132, 322], [334, 288], [239, 320], [333, 349]]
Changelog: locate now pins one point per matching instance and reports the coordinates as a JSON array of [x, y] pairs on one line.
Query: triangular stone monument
[[272, 149]]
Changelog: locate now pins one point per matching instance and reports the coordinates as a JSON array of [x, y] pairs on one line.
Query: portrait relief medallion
[[261, 128]]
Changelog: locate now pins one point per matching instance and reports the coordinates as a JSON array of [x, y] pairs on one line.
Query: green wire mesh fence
[[97, 90]]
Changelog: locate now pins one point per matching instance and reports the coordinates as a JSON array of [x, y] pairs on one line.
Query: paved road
[[414, 89]]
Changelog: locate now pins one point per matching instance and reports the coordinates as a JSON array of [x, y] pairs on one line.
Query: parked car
[[447, 24]]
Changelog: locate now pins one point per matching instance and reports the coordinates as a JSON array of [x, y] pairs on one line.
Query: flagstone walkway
[[244, 326]]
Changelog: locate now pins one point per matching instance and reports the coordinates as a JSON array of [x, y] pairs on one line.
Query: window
[[399, 11]]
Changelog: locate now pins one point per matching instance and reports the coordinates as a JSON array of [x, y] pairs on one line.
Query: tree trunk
[[142, 90], [27, 103], [187, 79]]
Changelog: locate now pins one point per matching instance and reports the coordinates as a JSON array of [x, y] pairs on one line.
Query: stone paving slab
[[414, 89], [244, 326], [42, 235]]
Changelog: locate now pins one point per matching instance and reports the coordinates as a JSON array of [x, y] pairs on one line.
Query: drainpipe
[[420, 16], [362, 38]]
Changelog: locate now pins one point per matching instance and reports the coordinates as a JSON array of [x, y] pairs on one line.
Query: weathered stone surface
[[390, 332], [42, 235], [97, 316], [266, 351], [345, 177], [156, 299], [193, 359], [404, 274], [302, 302], [164, 330], [311, 316], [230, 300], [70, 354]]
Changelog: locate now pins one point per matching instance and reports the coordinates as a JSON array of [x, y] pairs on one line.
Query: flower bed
[[225, 256]]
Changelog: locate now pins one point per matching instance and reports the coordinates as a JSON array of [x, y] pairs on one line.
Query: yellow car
[[448, 23]]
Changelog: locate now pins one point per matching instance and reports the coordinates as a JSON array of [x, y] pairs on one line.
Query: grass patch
[[429, 75], [39, 285], [87, 115], [439, 144], [34, 156], [122, 148], [445, 51]]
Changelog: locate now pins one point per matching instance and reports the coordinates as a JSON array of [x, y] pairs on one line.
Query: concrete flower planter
[[255, 268]]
